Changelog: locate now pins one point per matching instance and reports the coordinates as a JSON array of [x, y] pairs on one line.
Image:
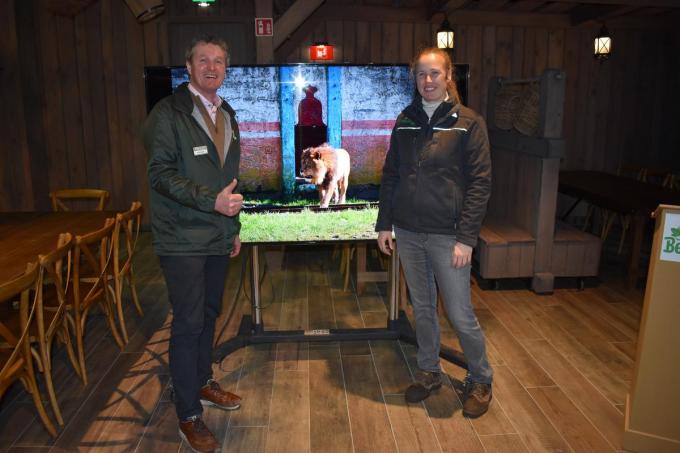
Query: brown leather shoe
[[194, 432], [212, 394]]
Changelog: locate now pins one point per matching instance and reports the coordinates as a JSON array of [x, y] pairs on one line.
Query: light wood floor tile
[[513, 320], [412, 427], [321, 314], [251, 439], [504, 443], [514, 355], [289, 416], [292, 356], [255, 386], [534, 428], [391, 365], [329, 425], [161, 432], [569, 421], [590, 401], [617, 362], [371, 429]]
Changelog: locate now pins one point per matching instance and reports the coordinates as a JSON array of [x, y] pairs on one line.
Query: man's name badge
[[200, 150]]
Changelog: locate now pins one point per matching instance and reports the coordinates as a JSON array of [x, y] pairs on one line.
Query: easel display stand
[[652, 418], [252, 329]]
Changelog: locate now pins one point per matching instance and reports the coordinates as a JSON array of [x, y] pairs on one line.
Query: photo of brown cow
[[328, 168]]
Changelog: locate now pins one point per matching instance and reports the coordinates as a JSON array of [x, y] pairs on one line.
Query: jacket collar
[[448, 108], [182, 101]]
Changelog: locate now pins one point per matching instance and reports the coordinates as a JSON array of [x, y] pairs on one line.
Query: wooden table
[[25, 235], [623, 195]]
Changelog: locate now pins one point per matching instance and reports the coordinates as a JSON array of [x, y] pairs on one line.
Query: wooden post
[[264, 45], [652, 413]]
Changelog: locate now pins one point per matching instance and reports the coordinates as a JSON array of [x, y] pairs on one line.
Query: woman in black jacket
[[435, 186]]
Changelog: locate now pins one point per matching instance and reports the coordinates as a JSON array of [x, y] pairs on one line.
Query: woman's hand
[[237, 247], [461, 255], [385, 242]]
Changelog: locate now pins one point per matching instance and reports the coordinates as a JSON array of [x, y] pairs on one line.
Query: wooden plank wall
[[73, 91]]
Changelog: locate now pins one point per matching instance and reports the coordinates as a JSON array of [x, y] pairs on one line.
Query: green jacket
[[184, 180]]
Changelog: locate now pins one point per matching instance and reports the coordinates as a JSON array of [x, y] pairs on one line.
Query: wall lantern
[[603, 44], [203, 3], [321, 51], [445, 35]]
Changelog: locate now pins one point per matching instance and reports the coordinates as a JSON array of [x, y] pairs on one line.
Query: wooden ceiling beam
[[491, 5], [623, 11], [637, 3], [525, 5], [377, 13], [586, 13], [294, 17], [304, 30], [68, 8]]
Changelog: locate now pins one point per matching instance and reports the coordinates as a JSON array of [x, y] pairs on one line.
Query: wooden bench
[[575, 253], [506, 251]]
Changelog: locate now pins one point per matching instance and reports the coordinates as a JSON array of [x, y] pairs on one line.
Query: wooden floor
[[563, 364]]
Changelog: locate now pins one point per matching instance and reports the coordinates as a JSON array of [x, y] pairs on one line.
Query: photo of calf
[[328, 168]]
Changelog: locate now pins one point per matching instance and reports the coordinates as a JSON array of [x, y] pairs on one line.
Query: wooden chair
[[16, 362], [57, 196], [92, 258], [128, 223], [51, 310]]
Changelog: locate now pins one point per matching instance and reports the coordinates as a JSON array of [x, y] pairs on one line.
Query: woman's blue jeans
[[426, 259]]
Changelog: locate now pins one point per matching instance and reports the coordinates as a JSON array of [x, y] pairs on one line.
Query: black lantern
[[603, 44], [445, 35]]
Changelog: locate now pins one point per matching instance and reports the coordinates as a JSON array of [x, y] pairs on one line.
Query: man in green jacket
[[192, 139]]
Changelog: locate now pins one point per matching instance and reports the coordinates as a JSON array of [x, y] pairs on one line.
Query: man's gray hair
[[206, 39]]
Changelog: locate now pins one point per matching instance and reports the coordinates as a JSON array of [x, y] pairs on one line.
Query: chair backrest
[[53, 271], [17, 340], [57, 196], [93, 251], [129, 223]]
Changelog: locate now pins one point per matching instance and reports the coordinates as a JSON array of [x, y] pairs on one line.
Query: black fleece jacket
[[437, 173]]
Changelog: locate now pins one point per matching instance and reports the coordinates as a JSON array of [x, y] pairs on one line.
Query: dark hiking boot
[[426, 382], [477, 399]]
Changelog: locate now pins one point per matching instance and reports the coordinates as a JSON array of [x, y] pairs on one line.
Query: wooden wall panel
[[570, 128], [488, 65], [504, 46], [32, 94], [406, 37], [57, 164], [390, 43], [473, 45], [363, 39], [76, 94], [518, 52], [100, 173], [14, 156], [349, 37]]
